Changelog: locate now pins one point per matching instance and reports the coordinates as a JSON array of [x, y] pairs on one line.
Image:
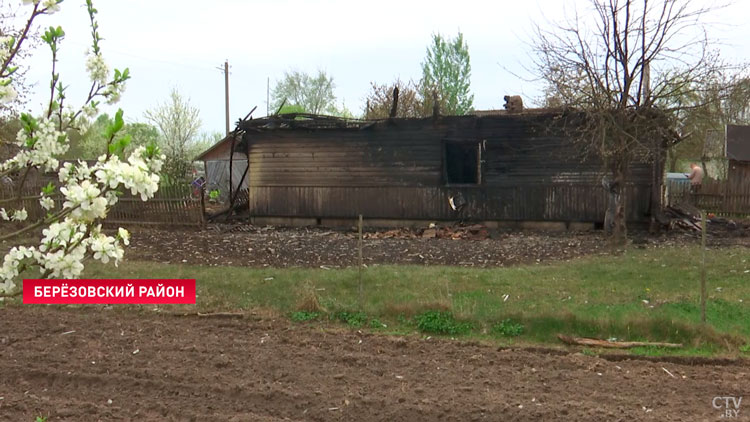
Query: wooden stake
[[203, 205], [361, 293], [703, 266], [594, 342]]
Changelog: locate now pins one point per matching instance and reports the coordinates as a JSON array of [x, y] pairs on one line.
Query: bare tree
[[621, 69], [380, 100]]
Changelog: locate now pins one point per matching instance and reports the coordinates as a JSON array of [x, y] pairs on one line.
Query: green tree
[[179, 124], [704, 112], [446, 74], [204, 141], [292, 109], [313, 94], [93, 142], [343, 112]]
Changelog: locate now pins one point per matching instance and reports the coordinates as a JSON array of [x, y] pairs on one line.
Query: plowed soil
[[95, 364]]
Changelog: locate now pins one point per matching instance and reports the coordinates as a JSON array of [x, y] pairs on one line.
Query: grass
[[642, 295]]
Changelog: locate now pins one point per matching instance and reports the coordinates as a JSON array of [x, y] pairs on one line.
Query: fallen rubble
[[470, 232], [688, 218]]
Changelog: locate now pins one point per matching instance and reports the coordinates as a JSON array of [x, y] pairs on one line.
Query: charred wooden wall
[[739, 172], [395, 170]]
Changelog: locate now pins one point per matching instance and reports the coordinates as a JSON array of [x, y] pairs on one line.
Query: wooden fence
[[727, 198], [172, 205], [29, 199]]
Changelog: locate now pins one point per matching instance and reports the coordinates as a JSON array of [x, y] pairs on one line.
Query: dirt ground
[[95, 364], [313, 247]]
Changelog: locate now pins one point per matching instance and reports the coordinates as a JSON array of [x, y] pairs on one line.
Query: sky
[[183, 44]]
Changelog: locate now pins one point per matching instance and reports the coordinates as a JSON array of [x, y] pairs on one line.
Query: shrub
[[303, 316], [353, 319], [507, 328], [441, 322]]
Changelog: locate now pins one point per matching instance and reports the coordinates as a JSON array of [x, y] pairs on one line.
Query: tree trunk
[[619, 207], [672, 161], [705, 169], [620, 232]]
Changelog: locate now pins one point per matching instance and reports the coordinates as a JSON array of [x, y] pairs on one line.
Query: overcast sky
[[181, 44]]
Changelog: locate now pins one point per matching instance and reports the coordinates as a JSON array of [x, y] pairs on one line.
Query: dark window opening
[[462, 163]]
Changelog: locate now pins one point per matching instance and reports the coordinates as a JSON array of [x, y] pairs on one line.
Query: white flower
[[20, 215], [11, 262], [114, 92], [47, 203], [7, 93], [97, 68], [106, 248], [64, 173], [51, 5], [6, 286], [85, 200], [63, 265], [48, 142], [90, 111], [4, 214], [5, 46], [124, 235]]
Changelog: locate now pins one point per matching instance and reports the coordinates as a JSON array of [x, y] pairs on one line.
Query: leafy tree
[[92, 143], [617, 69], [179, 124], [410, 100], [292, 108], [705, 111], [446, 73], [343, 112], [203, 142], [313, 94]]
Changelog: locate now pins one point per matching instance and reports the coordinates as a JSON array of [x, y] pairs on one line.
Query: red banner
[[109, 291]]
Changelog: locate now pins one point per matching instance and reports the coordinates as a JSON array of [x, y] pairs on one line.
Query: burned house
[[738, 154], [499, 169], [218, 166]]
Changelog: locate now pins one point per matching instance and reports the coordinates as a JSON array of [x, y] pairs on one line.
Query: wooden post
[[226, 94], [394, 105], [359, 273], [203, 205], [703, 266]]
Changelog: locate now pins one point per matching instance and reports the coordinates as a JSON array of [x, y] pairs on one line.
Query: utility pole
[[226, 92], [268, 96]]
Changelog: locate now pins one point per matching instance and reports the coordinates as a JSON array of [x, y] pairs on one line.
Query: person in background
[[695, 176]]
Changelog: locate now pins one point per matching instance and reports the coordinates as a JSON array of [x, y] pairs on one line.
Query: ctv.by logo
[[730, 405]]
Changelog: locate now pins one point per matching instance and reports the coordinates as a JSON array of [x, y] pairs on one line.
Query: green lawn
[[650, 295]]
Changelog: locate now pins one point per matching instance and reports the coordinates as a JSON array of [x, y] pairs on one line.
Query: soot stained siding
[[395, 170]]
